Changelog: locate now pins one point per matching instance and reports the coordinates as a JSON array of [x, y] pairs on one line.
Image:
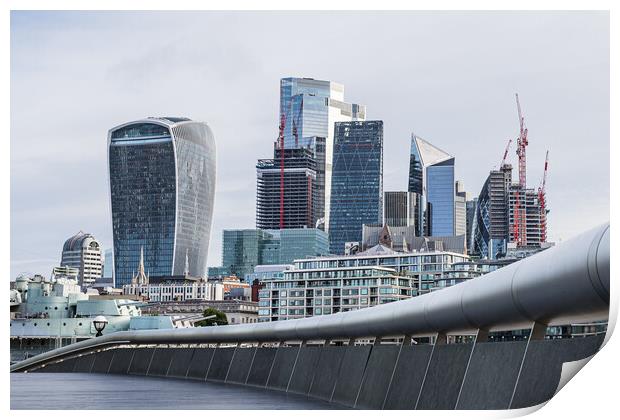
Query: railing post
[[406, 342], [439, 339], [288, 384], [482, 336], [537, 332]]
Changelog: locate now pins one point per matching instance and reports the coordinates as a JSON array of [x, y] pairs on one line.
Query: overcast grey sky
[[449, 77]]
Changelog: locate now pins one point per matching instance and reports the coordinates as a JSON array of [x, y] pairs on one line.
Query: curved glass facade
[[162, 185]]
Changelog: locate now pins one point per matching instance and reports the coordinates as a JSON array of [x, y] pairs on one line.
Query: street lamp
[[99, 323]]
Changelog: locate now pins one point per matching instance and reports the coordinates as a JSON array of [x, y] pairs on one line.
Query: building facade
[[357, 182], [431, 176], [460, 209], [328, 285], [491, 221], [176, 291], [404, 239], [298, 190], [244, 249], [310, 108], [162, 185], [83, 252], [400, 208]]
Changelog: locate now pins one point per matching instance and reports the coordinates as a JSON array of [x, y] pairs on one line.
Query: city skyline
[[473, 121]]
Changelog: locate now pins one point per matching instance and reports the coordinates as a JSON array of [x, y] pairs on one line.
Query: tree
[[220, 318]]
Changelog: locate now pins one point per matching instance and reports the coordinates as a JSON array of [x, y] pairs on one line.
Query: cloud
[[450, 77]]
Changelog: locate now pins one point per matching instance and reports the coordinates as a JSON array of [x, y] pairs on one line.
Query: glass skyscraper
[[244, 249], [431, 174], [311, 107], [357, 181], [162, 185]]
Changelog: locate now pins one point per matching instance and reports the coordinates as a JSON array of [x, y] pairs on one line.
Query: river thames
[[91, 391]]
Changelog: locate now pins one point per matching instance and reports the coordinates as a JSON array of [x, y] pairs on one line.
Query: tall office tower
[[357, 181], [460, 209], [299, 189], [431, 174], [470, 212], [108, 263], [162, 185], [400, 208], [490, 225], [310, 109], [83, 252]]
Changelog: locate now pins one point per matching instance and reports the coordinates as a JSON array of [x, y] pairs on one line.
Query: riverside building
[[326, 285]]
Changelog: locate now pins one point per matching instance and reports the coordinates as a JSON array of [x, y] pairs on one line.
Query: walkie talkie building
[[162, 186]]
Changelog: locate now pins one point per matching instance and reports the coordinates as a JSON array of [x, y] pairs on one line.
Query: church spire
[[141, 277]]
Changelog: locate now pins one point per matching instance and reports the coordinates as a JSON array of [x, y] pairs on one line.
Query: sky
[[450, 77]]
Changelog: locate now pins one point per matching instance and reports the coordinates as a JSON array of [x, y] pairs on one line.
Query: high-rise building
[[491, 222], [108, 263], [310, 108], [300, 192], [460, 209], [83, 252], [431, 175], [244, 249], [470, 212], [400, 208], [494, 226], [357, 181], [530, 210], [162, 185]]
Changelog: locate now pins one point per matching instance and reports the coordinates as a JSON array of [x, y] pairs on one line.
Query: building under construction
[[298, 190], [509, 215]]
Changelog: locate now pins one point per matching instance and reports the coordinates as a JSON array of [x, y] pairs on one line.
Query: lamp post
[[99, 323]]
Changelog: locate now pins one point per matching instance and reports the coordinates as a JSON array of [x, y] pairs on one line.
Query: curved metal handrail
[[565, 284]]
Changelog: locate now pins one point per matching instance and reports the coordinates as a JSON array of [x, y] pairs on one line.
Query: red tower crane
[[542, 202], [519, 211], [281, 146]]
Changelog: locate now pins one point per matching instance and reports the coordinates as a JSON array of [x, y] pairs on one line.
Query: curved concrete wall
[[491, 375]]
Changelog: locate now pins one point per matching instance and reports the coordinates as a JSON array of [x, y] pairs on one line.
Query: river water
[[92, 391]]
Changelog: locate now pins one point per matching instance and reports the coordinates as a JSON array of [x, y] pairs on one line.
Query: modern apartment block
[[83, 252], [400, 208], [431, 176], [357, 181], [327, 285], [162, 186], [299, 190], [244, 249], [310, 108]]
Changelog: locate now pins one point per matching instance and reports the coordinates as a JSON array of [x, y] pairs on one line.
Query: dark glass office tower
[[357, 181], [300, 193], [162, 185]]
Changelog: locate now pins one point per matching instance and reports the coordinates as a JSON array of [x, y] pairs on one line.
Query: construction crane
[[542, 202], [505, 153], [281, 146], [522, 142]]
